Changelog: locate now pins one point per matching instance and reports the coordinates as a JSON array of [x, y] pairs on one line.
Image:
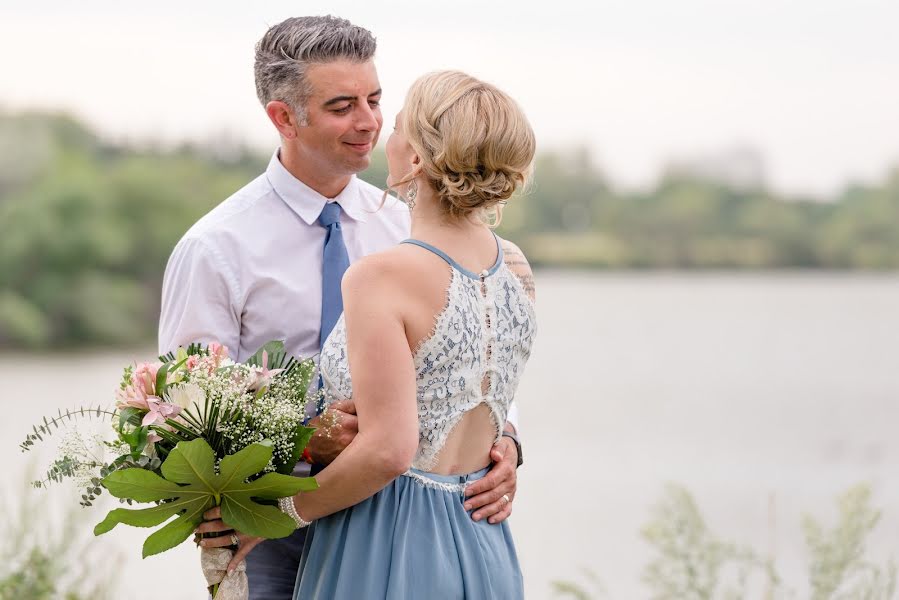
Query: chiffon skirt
[[412, 540]]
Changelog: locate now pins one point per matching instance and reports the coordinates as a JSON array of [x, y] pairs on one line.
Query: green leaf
[[140, 485], [191, 462], [137, 439], [189, 487], [171, 535], [128, 415], [147, 517], [275, 351], [307, 370], [160, 379], [301, 439]]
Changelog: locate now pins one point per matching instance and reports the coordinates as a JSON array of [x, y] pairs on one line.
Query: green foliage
[[578, 592], [48, 426], [692, 563], [40, 560], [86, 227], [838, 568], [276, 357], [573, 217], [190, 486]]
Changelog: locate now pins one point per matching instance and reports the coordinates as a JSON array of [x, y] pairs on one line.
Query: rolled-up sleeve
[[200, 299], [512, 417]]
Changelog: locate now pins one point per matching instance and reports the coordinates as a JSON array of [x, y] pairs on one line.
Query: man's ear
[[283, 118]]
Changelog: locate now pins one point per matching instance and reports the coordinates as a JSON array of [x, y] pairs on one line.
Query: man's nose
[[367, 119]]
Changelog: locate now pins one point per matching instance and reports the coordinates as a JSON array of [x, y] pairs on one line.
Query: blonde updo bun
[[475, 144]]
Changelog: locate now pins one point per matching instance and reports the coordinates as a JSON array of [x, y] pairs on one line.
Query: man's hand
[[486, 494], [335, 429], [214, 524]]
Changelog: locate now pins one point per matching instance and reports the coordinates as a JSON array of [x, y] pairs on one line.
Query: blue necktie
[[335, 262]]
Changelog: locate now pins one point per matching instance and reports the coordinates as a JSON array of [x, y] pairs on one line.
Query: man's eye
[[375, 103], [343, 110]]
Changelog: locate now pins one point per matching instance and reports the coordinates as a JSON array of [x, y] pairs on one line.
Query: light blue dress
[[414, 539]]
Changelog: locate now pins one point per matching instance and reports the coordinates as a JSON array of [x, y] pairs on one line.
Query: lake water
[[766, 395]]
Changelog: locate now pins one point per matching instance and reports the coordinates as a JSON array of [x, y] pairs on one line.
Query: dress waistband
[[446, 483]]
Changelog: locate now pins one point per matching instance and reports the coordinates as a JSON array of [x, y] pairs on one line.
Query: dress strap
[[457, 266]]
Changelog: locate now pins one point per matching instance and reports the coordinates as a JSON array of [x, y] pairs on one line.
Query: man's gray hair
[[287, 49]]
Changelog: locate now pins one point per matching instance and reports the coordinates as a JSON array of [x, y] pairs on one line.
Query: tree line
[[86, 226]]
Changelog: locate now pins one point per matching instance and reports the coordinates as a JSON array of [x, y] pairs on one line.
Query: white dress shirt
[[250, 271]]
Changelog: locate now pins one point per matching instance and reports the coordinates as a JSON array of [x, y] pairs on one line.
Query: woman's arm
[[383, 376]]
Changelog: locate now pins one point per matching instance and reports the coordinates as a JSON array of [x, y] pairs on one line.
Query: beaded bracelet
[[287, 507]]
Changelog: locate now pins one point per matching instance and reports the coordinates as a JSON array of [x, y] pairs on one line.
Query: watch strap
[[517, 443]]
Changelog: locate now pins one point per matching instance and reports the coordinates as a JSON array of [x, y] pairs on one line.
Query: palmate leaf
[[189, 486]]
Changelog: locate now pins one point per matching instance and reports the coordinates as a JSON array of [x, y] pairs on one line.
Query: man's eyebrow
[[337, 99]]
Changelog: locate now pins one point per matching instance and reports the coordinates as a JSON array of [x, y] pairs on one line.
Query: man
[[266, 263]]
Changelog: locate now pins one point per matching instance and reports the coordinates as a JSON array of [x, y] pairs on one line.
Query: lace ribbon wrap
[[214, 562], [475, 355]]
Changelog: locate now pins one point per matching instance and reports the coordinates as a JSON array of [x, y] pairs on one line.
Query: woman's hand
[[214, 524]]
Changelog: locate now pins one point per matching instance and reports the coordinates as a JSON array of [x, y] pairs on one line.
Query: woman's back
[[470, 334]]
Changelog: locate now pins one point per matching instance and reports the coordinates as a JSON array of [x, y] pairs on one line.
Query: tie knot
[[330, 214]]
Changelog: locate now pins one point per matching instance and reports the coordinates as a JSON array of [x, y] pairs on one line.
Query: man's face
[[343, 117]]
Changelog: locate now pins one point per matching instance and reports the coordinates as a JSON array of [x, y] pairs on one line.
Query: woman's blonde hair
[[475, 144]]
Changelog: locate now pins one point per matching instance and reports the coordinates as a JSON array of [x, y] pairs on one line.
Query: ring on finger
[[506, 498], [235, 541]]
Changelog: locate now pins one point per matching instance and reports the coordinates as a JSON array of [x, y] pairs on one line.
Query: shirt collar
[[306, 202]]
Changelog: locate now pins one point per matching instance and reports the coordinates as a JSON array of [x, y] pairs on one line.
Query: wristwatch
[[514, 438]]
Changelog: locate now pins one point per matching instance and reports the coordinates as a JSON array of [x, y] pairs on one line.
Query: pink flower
[[160, 410], [153, 437], [132, 396], [262, 376], [144, 377], [218, 352], [192, 361]]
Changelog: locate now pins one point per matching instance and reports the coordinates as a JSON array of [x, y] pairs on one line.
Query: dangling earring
[[411, 193]]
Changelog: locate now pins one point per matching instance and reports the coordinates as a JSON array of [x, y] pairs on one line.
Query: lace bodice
[[475, 354]]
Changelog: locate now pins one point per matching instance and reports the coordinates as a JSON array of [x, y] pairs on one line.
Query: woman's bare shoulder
[[395, 266]]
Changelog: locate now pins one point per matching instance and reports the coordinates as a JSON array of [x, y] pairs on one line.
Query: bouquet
[[192, 431]]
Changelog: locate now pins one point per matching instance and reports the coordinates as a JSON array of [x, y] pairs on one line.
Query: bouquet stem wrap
[[214, 562]]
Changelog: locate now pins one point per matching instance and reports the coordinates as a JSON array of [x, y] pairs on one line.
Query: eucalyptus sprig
[[48, 426]]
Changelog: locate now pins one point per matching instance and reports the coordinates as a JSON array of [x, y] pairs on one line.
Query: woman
[[435, 334], [431, 346]]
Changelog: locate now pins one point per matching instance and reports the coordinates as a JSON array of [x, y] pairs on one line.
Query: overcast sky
[[812, 84]]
